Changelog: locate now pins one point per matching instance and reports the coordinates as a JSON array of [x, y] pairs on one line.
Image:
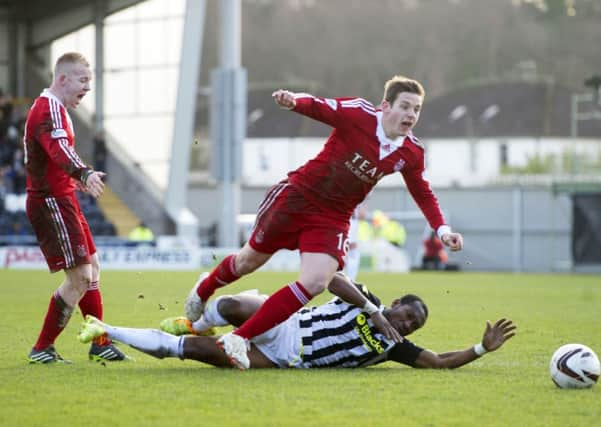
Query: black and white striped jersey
[[337, 334]]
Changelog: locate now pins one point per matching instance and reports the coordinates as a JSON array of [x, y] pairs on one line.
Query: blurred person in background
[[6, 112], [8, 143], [54, 170], [141, 233], [434, 256], [353, 255], [388, 229], [310, 210], [17, 172]]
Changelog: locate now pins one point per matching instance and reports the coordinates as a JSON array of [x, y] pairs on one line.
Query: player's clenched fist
[[284, 98], [453, 241]]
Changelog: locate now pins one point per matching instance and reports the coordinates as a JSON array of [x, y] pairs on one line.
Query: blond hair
[[69, 58], [399, 84]]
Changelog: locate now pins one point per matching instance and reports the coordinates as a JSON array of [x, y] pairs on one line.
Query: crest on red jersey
[[398, 166]]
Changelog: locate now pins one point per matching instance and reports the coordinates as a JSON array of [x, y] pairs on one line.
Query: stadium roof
[[48, 21]]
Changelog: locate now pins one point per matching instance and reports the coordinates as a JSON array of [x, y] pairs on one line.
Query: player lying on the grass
[[335, 334]]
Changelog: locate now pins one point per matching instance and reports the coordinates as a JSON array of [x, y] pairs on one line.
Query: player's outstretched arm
[[494, 337]]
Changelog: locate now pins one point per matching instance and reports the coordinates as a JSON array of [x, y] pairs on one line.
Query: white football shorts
[[282, 344]]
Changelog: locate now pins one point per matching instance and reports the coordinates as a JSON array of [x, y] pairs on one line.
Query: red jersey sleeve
[[59, 145], [336, 112], [420, 190]]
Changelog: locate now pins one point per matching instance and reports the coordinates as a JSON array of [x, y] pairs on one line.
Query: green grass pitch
[[508, 388]]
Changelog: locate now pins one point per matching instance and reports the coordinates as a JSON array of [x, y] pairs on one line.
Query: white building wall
[[448, 161]]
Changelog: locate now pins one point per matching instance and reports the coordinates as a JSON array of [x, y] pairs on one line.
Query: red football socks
[[91, 303], [277, 308], [55, 321], [223, 274]]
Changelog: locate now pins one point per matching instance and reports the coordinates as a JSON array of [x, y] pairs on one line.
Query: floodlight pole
[[228, 120], [472, 140], [183, 128], [517, 238], [100, 12]]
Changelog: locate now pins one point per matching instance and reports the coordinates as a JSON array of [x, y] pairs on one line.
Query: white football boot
[[236, 349], [194, 306]]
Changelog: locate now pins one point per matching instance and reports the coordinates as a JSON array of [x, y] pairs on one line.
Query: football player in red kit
[[54, 171], [310, 210]]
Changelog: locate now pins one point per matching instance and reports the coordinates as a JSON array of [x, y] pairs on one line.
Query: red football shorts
[[62, 231], [286, 220]]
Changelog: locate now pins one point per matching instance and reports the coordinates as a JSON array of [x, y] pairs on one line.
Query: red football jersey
[[356, 156], [50, 158]]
